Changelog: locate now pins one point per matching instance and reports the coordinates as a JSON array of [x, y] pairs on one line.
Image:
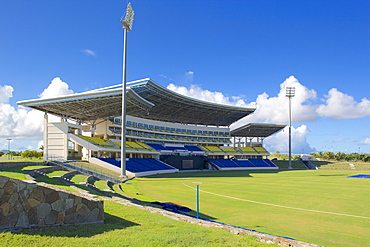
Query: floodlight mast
[[127, 26], [290, 93]]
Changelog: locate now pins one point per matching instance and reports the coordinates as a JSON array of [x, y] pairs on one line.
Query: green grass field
[[128, 226], [123, 226], [322, 190]]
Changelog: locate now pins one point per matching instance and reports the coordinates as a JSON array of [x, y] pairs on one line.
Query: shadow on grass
[[111, 223], [51, 181], [173, 207]]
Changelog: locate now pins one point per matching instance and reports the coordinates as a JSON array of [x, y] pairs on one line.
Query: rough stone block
[[13, 199], [21, 185], [58, 205], [22, 220], [43, 209], [4, 198], [33, 202], [25, 193], [80, 219], [32, 216], [78, 200], [10, 188], [63, 195], [31, 186], [5, 207], [82, 209], [71, 210], [84, 201], [101, 215], [11, 219], [18, 207], [60, 218], [38, 194], [71, 218], [51, 218], [3, 181], [92, 204], [93, 215], [51, 196]]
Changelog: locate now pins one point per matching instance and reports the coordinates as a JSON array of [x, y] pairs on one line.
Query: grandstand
[[165, 131]]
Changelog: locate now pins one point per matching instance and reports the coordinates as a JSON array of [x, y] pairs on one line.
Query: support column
[[93, 130], [46, 136]]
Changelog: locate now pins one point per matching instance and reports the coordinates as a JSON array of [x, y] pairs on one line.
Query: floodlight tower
[[290, 93], [127, 27]]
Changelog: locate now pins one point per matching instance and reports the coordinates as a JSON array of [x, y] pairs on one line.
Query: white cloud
[[21, 123], [276, 109], [6, 92], [343, 106], [56, 88], [189, 77], [194, 91], [280, 141], [89, 52], [186, 78], [366, 141], [269, 110]]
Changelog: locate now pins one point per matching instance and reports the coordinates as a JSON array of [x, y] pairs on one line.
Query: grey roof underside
[[256, 130], [145, 99]]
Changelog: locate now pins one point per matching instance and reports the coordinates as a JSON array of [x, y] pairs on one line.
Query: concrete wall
[[21, 163], [26, 204]]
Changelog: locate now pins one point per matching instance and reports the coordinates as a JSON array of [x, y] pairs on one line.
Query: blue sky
[[235, 52]]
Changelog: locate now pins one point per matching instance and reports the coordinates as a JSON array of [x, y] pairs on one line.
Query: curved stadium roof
[[256, 130], [145, 99]]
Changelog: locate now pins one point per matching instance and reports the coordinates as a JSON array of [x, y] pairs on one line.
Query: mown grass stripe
[[275, 205]]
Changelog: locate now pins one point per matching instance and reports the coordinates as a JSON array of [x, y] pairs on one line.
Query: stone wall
[[27, 204], [21, 163]]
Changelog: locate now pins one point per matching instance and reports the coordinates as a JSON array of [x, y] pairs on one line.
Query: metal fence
[[87, 169]]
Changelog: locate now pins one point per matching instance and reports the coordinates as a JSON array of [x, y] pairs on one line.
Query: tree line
[[24, 154], [339, 156]]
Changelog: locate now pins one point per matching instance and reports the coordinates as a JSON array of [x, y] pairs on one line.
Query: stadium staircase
[[141, 167], [309, 165]]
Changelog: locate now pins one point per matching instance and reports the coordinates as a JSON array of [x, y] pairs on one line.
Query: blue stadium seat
[[175, 148], [156, 146], [224, 162], [245, 163], [193, 148], [259, 162], [136, 165], [270, 163]]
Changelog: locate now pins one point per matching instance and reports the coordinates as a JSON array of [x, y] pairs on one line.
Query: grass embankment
[[124, 226], [321, 190], [343, 165], [18, 172], [128, 226]]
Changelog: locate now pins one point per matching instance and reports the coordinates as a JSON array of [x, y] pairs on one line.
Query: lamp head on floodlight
[[129, 18], [290, 92]]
